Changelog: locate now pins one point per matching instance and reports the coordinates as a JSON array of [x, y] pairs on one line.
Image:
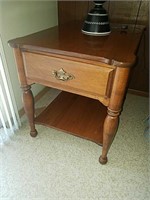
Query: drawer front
[[76, 77]]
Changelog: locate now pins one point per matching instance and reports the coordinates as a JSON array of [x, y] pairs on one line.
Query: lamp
[[97, 23]]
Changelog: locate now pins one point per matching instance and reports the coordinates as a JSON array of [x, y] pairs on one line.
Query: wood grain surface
[[77, 115]]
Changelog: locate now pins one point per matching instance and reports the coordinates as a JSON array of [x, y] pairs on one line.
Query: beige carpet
[[58, 166]]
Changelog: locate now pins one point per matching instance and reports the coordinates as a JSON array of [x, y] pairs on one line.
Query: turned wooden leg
[[109, 132], [28, 101], [114, 109]]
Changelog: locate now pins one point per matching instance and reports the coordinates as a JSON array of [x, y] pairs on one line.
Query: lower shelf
[[76, 115]]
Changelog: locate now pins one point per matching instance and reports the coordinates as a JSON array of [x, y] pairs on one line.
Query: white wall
[[19, 18]]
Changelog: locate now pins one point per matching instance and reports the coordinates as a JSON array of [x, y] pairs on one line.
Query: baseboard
[[36, 98], [138, 92]]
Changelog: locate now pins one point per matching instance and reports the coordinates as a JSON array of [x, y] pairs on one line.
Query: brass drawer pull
[[62, 75]]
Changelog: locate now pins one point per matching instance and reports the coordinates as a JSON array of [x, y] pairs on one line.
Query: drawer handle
[[62, 75]]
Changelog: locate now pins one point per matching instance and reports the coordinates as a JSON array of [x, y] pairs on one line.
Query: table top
[[68, 40]]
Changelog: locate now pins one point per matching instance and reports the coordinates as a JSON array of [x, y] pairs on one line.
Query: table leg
[[109, 132], [114, 110], [28, 101]]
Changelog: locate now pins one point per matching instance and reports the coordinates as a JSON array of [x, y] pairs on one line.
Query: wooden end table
[[92, 71]]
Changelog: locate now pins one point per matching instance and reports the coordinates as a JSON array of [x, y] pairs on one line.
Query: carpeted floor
[[59, 166]]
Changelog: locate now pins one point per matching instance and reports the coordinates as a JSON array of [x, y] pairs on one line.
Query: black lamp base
[[97, 23]]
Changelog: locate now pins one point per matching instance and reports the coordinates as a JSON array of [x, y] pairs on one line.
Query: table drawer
[[76, 77]]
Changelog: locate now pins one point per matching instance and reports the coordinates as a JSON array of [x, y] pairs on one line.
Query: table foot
[[103, 161], [33, 133]]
